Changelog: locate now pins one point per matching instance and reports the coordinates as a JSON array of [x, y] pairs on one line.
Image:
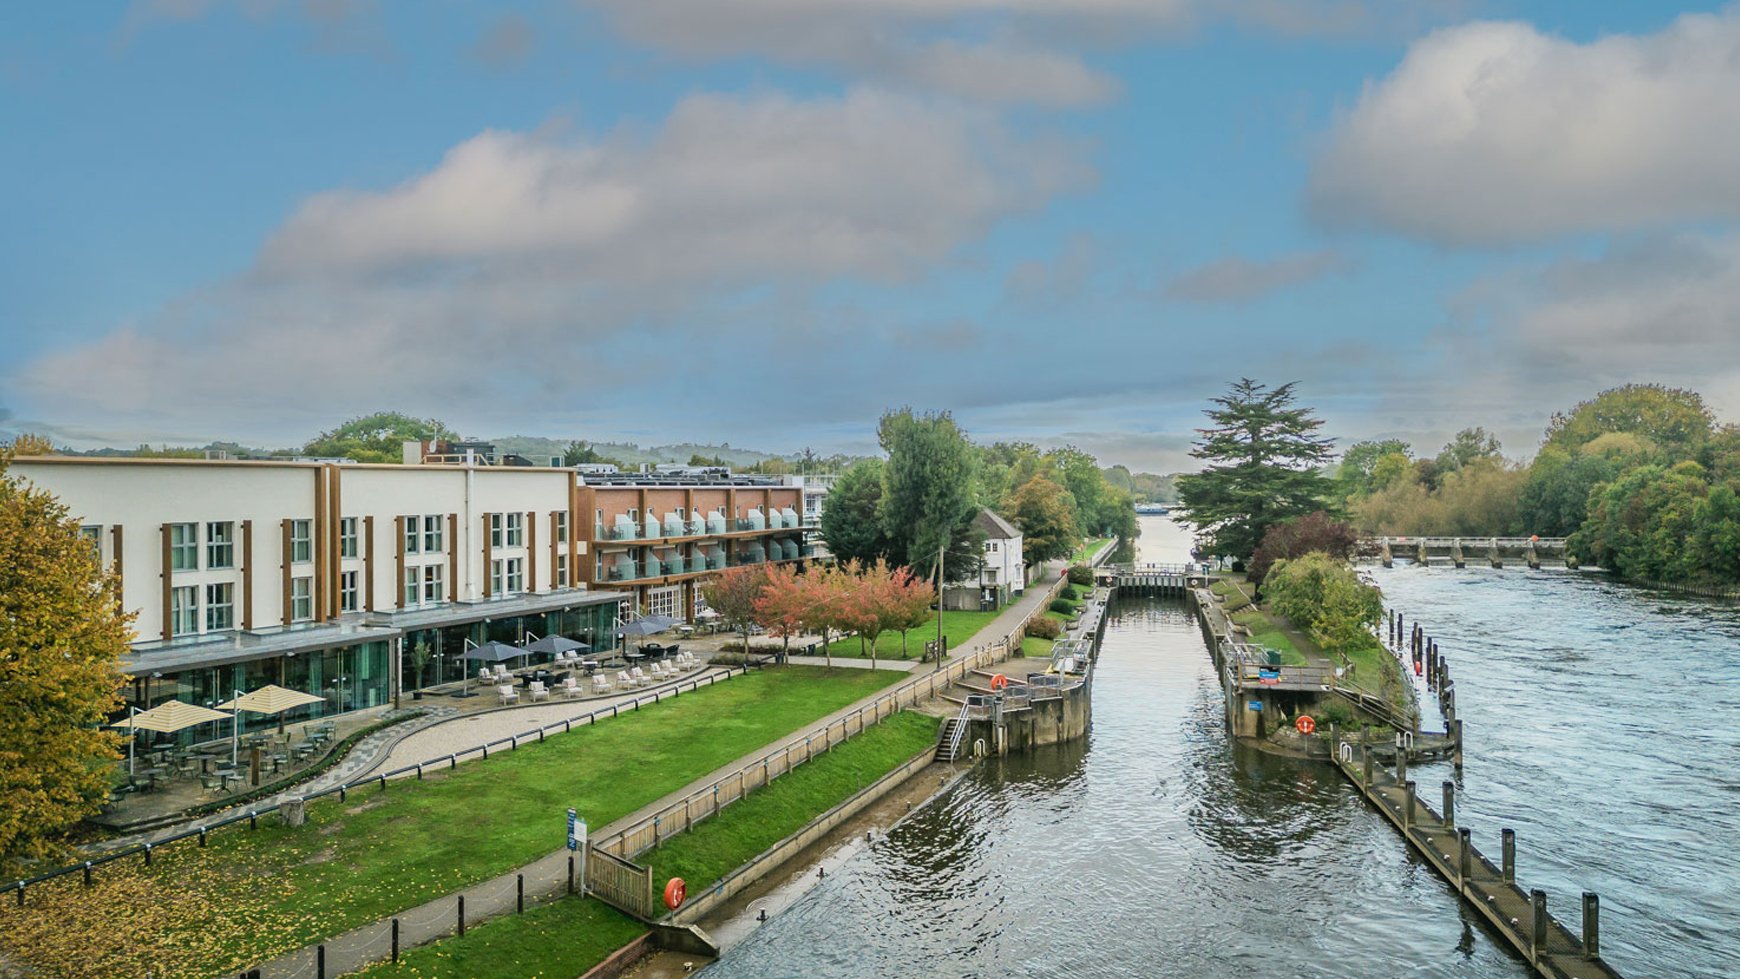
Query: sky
[[763, 222]]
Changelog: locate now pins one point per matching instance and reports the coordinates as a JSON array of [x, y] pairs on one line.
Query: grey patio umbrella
[[558, 644], [495, 652], [663, 621], [642, 627]]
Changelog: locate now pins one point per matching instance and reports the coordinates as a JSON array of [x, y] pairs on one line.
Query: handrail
[[960, 730]]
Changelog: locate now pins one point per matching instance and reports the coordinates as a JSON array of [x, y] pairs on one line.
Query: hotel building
[[360, 583]]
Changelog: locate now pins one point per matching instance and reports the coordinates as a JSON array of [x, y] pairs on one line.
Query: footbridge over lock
[[1533, 552]]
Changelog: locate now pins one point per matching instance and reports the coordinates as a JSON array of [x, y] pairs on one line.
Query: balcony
[[674, 565], [622, 571], [624, 529], [675, 526], [716, 524], [754, 521]]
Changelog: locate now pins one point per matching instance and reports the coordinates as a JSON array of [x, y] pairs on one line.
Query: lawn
[[714, 848], [1034, 647], [1377, 672], [563, 938], [959, 628], [255, 894], [1087, 550]]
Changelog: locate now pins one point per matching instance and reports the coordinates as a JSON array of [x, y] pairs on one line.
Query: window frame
[[516, 577], [213, 607], [349, 595], [301, 541], [497, 577], [347, 537], [305, 600], [434, 584], [177, 610], [213, 544], [495, 531], [184, 553], [434, 534], [413, 533], [516, 529]]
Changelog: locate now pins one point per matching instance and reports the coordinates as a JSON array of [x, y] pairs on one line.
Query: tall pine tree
[[1264, 457], [927, 494]]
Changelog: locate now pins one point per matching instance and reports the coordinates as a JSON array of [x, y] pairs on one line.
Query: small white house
[[1002, 574]]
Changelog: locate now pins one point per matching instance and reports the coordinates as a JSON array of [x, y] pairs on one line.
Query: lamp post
[[465, 691], [235, 727], [132, 736], [940, 551]]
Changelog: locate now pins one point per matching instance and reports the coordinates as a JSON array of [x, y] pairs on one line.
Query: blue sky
[[763, 221]]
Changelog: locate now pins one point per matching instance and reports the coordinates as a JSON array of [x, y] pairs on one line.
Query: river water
[[1157, 847]]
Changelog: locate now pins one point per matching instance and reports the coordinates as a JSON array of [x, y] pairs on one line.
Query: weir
[[1534, 552]]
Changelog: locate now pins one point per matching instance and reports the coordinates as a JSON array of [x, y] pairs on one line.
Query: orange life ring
[[1305, 725], [675, 891], [999, 681]]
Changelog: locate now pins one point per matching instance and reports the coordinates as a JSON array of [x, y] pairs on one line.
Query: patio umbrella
[[494, 652], [558, 644], [706, 613], [665, 621], [167, 718], [272, 699], [642, 627]]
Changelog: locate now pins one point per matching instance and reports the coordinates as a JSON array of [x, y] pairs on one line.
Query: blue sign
[[574, 830], [1268, 674], [1254, 705]]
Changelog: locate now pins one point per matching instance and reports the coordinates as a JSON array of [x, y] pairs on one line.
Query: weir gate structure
[[1532, 551], [1153, 580]]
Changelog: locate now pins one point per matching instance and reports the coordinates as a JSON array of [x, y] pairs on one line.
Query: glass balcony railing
[[674, 566], [697, 527], [716, 525], [674, 527], [716, 562], [653, 569], [622, 571]]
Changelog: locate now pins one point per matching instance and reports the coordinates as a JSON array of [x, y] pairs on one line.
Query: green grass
[[255, 894], [1036, 648], [564, 938], [1087, 550], [716, 847], [1377, 672], [1276, 639], [959, 628]]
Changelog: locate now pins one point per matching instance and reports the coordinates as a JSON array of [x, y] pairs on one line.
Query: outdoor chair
[[501, 672], [624, 681], [673, 652], [539, 691], [571, 687], [484, 675], [600, 683], [508, 694], [640, 677]]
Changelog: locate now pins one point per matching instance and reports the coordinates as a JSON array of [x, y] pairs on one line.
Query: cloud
[[587, 271], [509, 41], [993, 51], [1239, 280], [1491, 133]]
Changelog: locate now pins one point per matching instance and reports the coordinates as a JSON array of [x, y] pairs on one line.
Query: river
[[1159, 848]]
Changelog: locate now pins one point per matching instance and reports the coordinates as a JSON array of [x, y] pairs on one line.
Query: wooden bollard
[[1537, 924], [1464, 856], [462, 914], [1591, 925], [1508, 858], [1456, 752], [1365, 775], [1449, 803], [1407, 806], [1401, 762]]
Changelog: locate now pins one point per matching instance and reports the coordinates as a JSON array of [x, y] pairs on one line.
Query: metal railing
[[960, 730]]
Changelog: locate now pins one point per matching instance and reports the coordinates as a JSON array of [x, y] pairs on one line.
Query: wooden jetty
[[1520, 917]]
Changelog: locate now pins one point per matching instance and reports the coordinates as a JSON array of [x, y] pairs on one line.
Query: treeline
[[926, 495], [1641, 478]]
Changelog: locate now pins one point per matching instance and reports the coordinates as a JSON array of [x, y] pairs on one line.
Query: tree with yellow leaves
[[62, 634]]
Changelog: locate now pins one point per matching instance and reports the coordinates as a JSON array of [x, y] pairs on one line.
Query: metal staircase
[[948, 745]]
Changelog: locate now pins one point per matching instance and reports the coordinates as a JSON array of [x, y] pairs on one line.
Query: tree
[[1041, 508], [1357, 475], [1298, 537], [1673, 418], [1639, 525], [779, 608], [580, 453], [62, 636], [1323, 596], [912, 598], [733, 593], [1263, 455], [379, 437], [852, 520], [1470, 445], [823, 596], [927, 493], [31, 444]]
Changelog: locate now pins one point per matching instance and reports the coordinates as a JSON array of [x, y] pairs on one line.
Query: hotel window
[[94, 534], [432, 534], [184, 547], [432, 575], [220, 545], [183, 611], [347, 594], [413, 533], [410, 586], [561, 525], [301, 599], [220, 609], [516, 576], [347, 537], [561, 571], [516, 530], [301, 540], [495, 579], [495, 530]]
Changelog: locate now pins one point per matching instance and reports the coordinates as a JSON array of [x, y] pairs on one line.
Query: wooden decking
[[1491, 890]]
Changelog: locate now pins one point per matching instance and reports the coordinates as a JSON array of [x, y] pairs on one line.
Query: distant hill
[[631, 454], [1144, 487]]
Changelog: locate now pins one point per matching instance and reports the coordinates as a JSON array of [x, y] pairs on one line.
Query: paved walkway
[[546, 878]]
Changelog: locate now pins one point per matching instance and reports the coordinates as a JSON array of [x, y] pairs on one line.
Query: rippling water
[[1158, 848]]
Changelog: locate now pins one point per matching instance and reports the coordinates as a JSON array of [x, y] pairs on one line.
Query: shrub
[[1338, 714], [1041, 627], [1325, 597], [1300, 536], [1081, 574], [1069, 592], [1061, 606]]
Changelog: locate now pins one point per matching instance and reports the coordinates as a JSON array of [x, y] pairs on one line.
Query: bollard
[[147, 854], [1591, 925], [21, 894], [253, 819], [320, 962], [1449, 803], [341, 791], [87, 873], [1365, 775], [202, 837], [395, 939], [520, 894], [1508, 858], [462, 914], [419, 771], [1401, 762], [1538, 926], [1464, 857], [1408, 806], [570, 873], [1456, 754]]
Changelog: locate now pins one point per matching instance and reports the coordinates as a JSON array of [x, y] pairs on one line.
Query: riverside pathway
[[547, 877]]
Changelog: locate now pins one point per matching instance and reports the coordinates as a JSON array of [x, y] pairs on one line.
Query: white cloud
[[537, 269], [1494, 132], [1237, 279]]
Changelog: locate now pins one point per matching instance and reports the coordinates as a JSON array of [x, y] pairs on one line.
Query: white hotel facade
[[337, 578]]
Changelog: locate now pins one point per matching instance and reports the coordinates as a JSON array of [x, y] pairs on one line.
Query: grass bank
[[958, 627], [569, 936], [1088, 549], [252, 895]]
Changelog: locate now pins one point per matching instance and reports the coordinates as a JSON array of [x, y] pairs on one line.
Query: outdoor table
[[589, 665], [686, 630], [632, 656]]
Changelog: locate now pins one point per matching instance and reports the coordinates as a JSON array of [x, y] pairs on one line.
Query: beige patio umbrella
[[166, 718], [269, 699]]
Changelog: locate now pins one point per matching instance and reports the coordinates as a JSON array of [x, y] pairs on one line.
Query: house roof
[[995, 526]]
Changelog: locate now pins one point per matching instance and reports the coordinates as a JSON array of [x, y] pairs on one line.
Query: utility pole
[[941, 549]]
